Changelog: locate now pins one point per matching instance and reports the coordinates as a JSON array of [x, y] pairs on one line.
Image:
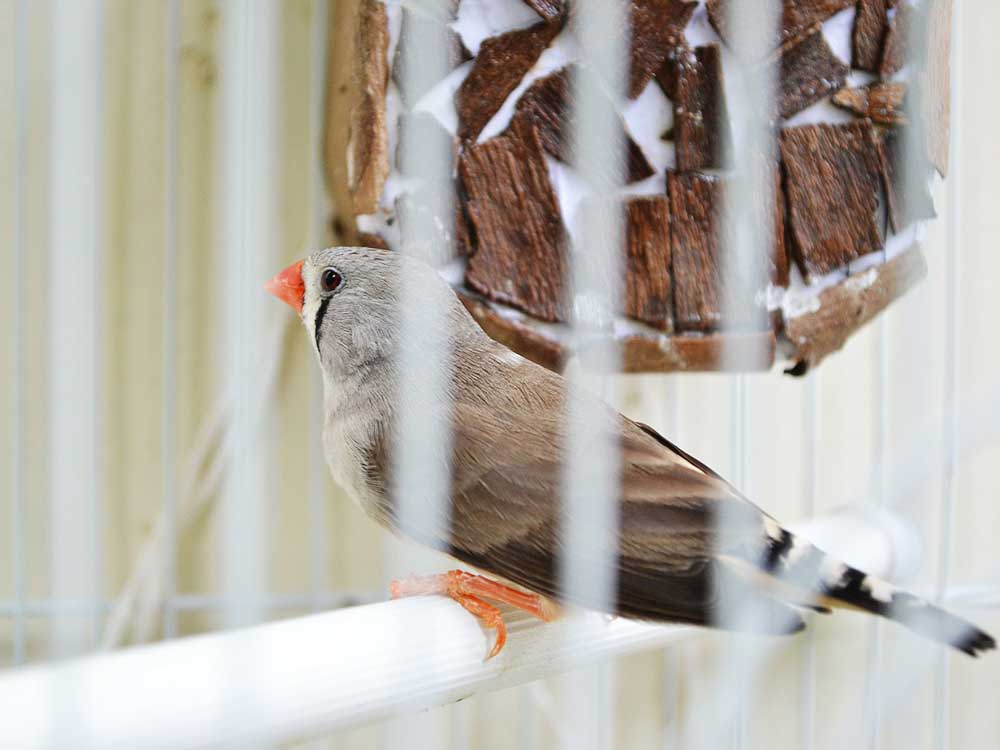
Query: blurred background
[[161, 159]]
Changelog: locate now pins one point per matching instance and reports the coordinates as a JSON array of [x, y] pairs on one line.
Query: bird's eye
[[330, 280]]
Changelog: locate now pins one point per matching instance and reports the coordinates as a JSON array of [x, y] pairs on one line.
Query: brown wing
[[506, 507]]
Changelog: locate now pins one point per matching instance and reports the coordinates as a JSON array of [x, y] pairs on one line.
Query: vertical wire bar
[[96, 512], [952, 376], [739, 421], [247, 133], [168, 414], [810, 429], [247, 225], [880, 491], [19, 508], [916, 172], [423, 349], [873, 678], [915, 177], [74, 336], [421, 470], [745, 240], [319, 555], [672, 654], [590, 482]]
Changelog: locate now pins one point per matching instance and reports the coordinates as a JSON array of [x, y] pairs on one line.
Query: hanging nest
[[845, 240]]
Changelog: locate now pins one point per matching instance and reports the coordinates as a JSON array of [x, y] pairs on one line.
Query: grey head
[[351, 308]]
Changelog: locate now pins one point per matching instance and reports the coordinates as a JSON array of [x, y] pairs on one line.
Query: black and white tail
[[797, 563], [858, 590]]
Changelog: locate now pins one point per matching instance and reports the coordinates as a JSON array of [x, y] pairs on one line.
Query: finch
[[688, 544]]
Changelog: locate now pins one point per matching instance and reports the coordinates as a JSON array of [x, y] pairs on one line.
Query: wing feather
[[506, 508]]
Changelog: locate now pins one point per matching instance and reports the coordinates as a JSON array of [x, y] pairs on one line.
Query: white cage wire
[[161, 159]]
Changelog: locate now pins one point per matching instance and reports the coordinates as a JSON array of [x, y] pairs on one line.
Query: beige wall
[[134, 220]]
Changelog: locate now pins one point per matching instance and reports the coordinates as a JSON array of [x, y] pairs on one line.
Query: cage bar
[[880, 492], [168, 410], [420, 459], [672, 655], [19, 182], [953, 378], [75, 340], [811, 427], [590, 482], [249, 49], [745, 242], [319, 544]]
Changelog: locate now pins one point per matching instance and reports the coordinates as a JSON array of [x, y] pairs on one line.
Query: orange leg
[[466, 589], [489, 616]]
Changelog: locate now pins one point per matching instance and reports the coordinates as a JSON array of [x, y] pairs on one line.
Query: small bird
[[688, 543]]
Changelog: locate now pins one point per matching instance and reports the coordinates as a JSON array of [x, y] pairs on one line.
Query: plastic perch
[[304, 677]]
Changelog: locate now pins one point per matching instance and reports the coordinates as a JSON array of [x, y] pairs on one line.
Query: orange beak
[[289, 287]]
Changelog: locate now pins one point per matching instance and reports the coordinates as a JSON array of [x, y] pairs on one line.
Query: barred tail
[[797, 564], [857, 590]]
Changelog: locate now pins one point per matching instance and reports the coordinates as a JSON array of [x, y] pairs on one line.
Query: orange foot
[[466, 589]]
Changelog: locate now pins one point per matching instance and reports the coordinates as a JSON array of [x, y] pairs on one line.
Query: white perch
[[303, 677]]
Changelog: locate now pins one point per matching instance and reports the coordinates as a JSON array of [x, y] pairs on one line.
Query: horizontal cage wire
[[182, 569]]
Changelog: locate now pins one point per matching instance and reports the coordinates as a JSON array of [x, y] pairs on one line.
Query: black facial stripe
[[320, 312]]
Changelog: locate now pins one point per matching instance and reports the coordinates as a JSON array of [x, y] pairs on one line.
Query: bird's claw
[[470, 591]]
